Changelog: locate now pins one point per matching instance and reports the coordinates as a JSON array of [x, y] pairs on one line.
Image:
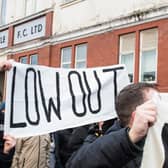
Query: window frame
[[148, 49], [22, 57], [66, 63], [30, 59], [3, 12], [121, 53], [76, 52]]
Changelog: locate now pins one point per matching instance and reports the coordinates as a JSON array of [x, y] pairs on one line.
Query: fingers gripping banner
[[42, 99]]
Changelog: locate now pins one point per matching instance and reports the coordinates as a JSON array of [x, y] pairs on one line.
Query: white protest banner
[[42, 99], [155, 154]]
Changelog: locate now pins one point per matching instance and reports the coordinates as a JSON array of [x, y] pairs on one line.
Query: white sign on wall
[[30, 30], [42, 99], [4, 39]]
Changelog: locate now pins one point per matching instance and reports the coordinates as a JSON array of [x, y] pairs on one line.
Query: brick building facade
[[138, 40]]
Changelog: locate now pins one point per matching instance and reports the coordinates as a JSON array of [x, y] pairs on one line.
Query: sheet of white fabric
[[79, 96], [153, 155]]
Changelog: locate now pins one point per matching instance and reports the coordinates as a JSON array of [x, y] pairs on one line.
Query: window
[[34, 59], [80, 57], [24, 60], [127, 53], [31, 59], [3, 12], [148, 55], [66, 54], [30, 7]]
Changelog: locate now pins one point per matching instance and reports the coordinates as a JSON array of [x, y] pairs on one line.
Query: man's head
[[130, 97]]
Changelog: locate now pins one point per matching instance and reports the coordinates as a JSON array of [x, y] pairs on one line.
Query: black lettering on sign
[[33, 72], [71, 73], [40, 27], [19, 34], [36, 28], [51, 104], [89, 92], [12, 124], [165, 143], [114, 70], [25, 32], [85, 98]]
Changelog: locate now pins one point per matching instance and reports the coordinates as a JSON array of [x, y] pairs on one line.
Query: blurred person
[[65, 142], [32, 152], [7, 142], [122, 144]]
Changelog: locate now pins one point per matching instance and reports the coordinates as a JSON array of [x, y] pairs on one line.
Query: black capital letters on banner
[[73, 95], [165, 144], [12, 124], [89, 94], [114, 70], [51, 103], [32, 71]]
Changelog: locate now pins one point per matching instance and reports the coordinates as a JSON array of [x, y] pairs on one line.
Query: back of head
[[129, 98]]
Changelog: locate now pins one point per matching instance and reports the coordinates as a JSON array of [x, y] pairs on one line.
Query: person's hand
[[100, 125], [144, 116], [5, 65], [9, 143]]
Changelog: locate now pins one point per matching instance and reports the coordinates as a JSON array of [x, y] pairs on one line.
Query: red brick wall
[[103, 50], [163, 56]]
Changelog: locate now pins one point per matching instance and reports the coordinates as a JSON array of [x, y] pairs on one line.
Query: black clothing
[[70, 140], [5, 159], [64, 151], [77, 137], [66, 142], [112, 150]]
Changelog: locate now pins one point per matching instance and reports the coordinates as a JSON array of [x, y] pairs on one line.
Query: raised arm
[[5, 65]]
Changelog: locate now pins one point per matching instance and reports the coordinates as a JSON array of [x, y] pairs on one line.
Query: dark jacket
[[5, 159], [66, 142], [113, 150]]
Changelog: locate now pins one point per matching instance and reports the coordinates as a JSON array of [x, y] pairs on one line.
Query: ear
[[165, 143], [132, 119]]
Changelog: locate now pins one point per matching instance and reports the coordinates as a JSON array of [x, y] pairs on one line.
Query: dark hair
[[129, 98]]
